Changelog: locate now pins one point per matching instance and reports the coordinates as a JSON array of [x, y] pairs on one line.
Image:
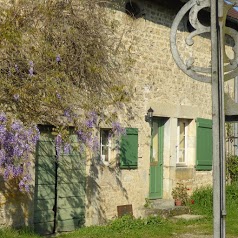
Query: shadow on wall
[[15, 206], [95, 195]]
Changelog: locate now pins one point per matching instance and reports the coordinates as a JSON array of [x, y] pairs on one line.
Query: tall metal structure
[[222, 69]]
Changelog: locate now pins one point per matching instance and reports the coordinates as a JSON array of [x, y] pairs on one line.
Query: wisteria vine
[[17, 142]]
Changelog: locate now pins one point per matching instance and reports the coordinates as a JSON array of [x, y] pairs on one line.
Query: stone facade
[[157, 83]]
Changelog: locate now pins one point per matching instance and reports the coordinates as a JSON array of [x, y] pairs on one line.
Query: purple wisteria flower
[[16, 143], [16, 126], [31, 70], [16, 68], [58, 143], [117, 129], [58, 59], [82, 136], [3, 117], [89, 123], [16, 97], [31, 63], [67, 148], [95, 145], [67, 113], [58, 95], [92, 120]]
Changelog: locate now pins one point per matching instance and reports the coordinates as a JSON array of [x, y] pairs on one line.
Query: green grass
[[155, 227], [23, 233]]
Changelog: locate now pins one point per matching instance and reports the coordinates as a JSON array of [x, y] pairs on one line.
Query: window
[[126, 150], [204, 144], [182, 131], [106, 145], [132, 9]]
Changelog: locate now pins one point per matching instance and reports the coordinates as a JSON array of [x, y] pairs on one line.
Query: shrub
[[232, 194], [232, 168], [180, 192], [203, 200]]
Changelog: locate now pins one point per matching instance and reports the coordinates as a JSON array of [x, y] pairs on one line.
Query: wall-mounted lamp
[[149, 115]]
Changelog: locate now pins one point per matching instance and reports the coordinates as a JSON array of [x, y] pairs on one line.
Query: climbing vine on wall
[[61, 65]]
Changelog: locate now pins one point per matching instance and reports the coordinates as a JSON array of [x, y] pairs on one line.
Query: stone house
[[175, 145]]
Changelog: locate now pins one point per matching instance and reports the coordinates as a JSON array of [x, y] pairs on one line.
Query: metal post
[[217, 37], [236, 124]]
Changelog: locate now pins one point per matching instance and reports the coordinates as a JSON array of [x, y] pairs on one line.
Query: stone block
[[184, 173]]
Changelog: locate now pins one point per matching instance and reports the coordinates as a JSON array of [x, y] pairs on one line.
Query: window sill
[[181, 165]]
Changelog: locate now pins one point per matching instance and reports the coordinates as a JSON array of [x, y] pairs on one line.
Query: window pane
[[105, 152], [105, 137], [105, 145], [181, 151], [155, 142]]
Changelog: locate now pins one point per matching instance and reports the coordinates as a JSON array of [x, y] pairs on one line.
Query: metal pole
[[217, 37], [236, 124]]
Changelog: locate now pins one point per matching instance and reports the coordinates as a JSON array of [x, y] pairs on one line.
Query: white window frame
[[108, 145], [186, 123]]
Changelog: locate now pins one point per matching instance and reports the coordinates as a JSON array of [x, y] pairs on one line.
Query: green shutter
[[204, 144], [129, 149]]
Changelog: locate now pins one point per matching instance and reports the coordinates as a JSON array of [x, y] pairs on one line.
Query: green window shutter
[[129, 149], [204, 144]]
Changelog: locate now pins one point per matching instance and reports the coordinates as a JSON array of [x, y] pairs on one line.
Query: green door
[[59, 187], [156, 158]]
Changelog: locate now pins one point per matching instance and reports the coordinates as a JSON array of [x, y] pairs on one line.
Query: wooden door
[[156, 158], [59, 187]]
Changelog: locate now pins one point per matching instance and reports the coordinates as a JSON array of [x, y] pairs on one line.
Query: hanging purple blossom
[[67, 148], [89, 123], [58, 143], [82, 136], [58, 95], [67, 113], [16, 97], [3, 117], [94, 117], [16, 126], [95, 145], [58, 59], [16, 68], [117, 129], [16, 143], [31, 71], [31, 63], [92, 120]]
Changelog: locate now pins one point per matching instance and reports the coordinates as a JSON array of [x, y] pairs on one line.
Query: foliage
[[232, 168], [156, 227], [229, 129], [148, 203], [61, 64], [180, 192], [23, 233], [203, 200], [57, 57], [232, 195], [203, 205], [129, 222]]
